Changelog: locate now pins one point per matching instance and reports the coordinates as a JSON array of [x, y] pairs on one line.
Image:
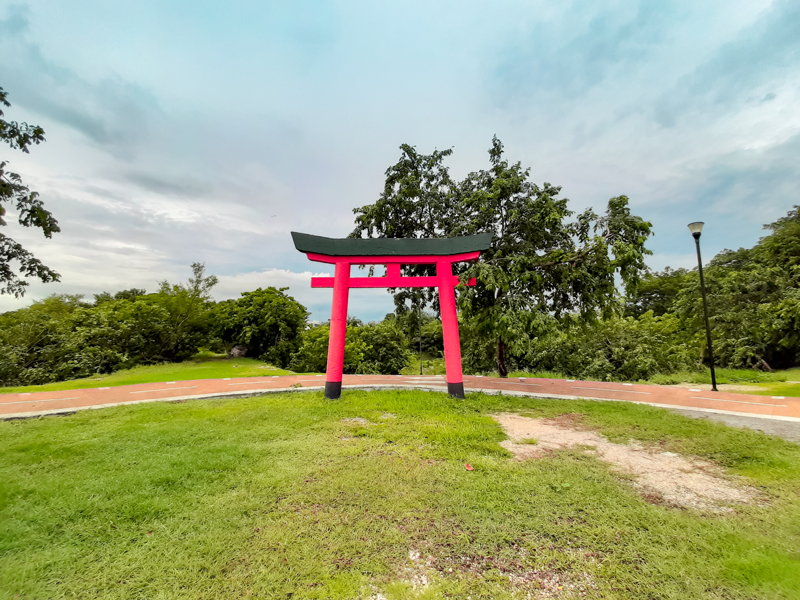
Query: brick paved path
[[49, 403]]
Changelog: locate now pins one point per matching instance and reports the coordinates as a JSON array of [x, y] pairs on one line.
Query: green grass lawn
[[732, 376], [777, 389], [431, 365], [292, 496], [201, 367], [778, 383]]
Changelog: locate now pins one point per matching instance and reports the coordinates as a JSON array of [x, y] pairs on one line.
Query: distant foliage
[[624, 348], [754, 300], [656, 292], [268, 321], [312, 357], [62, 337], [433, 338], [416, 325], [374, 348], [188, 306], [385, 348]]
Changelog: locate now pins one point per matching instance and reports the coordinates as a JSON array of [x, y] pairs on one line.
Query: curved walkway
[[35, 404]]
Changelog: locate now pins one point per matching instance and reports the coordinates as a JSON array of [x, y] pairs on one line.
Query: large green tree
[[544, 259], [30, 210]]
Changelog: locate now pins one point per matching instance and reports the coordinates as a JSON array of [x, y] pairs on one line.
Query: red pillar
[[452, 345], [341, 291]]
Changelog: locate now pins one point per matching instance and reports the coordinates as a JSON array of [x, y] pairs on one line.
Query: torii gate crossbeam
[[394, 253]]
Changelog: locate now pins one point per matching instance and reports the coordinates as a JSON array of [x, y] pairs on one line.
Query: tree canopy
[[267, 321], [544, 259], [754, 299], [30, 210]]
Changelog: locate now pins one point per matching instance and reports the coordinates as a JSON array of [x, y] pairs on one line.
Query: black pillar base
[[333, 390], [456, 390]]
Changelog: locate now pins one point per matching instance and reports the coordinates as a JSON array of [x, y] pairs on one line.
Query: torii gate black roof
[[391, 246]]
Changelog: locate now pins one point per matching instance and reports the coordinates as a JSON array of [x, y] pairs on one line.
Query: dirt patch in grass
[[660, 477], [356, 421], [538, 583], [424, 571]]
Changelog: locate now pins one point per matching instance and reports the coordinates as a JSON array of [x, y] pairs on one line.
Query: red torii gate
[[393, 252]]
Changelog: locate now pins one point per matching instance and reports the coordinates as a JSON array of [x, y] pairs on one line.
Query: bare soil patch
[[540, 584], [660, 477], [356, 421]]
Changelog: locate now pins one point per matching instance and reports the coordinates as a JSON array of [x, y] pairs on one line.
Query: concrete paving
[[788, 430], [777, 415]]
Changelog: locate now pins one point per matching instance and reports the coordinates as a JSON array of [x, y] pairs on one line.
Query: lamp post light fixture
[[697, 228]]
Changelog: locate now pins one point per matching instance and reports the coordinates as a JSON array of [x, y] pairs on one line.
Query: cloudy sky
[[206, 131]]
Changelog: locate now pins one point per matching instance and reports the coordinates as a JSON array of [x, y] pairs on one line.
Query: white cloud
[[365, 304]]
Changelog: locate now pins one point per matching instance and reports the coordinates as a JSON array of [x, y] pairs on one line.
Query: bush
[[618, 348], [63, 338], [312, 356], [379, 348], [267, 321], [385, 348]]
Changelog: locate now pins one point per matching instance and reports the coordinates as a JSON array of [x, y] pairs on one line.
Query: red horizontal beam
[[385, 282], [400, 260]]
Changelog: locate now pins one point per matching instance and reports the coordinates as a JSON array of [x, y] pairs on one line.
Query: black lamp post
[[419, 323], [696, 229]]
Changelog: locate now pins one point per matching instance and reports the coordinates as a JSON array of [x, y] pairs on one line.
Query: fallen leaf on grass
[[469, 467]]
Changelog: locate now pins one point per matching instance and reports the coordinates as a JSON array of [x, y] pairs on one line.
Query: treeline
[[754, 308], [754, 301], [65, 337]]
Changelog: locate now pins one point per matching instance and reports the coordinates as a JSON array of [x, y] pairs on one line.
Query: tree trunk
[[501, 358]]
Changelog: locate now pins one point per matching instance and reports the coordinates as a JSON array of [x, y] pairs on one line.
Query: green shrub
[[312, 356], [267, 321], [624, 348], [385, 348], [62, 338]]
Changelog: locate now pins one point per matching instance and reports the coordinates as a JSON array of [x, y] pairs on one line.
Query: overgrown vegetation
[[657, 329], [293, 496], [380, 348], [546, 295], [266, 322], [63, 337]]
